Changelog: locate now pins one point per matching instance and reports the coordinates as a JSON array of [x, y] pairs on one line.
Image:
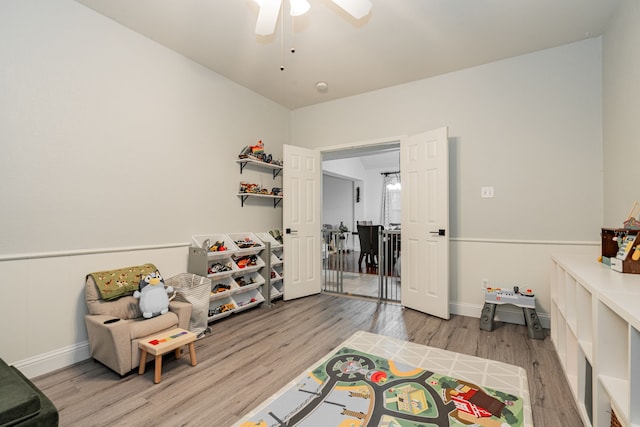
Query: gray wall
[[621, 113], [530, 126], [115, 151], [109, 139], [337, 201]]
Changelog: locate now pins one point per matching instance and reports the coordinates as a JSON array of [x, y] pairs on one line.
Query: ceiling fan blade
[[268, 17], [356, 8]]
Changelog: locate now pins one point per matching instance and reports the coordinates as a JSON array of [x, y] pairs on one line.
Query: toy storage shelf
[[245, 196], [236, 289], [595, 324], [276, 259], [276, 169]]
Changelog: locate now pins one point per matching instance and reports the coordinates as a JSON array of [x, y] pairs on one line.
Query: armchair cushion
[[124, 308], [142, 327]]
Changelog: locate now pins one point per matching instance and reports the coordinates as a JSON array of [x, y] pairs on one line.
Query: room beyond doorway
[[352, 191], [345, 273]]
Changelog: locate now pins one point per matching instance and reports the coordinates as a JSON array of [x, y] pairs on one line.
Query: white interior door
[[301, 178], [424, 166]]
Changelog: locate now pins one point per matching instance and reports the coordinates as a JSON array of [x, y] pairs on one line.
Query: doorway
[[352, 192], [425, 220]]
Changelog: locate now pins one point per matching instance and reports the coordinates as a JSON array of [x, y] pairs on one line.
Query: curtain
[[391, 186]]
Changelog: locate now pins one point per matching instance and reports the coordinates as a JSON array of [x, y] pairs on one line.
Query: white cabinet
[[595, 324]]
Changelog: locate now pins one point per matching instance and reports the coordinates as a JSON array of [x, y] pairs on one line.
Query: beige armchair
[[115, 343]]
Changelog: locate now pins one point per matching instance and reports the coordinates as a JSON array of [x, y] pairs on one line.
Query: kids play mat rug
[[377, 381]]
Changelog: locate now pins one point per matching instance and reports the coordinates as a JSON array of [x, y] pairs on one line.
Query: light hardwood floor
[[251, 355]]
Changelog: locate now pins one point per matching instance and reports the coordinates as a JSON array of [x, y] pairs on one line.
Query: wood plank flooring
[[251, 355]]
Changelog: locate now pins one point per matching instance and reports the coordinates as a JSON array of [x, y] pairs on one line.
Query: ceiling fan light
[[299, 7], [356, 8], [268, 17]]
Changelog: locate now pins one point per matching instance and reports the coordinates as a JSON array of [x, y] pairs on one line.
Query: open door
[[302, 174], [424, 165]]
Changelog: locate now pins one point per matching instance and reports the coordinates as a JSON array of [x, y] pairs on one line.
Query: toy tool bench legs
[[525, 300]]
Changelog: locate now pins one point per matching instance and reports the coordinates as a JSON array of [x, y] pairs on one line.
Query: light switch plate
[[486, 192]]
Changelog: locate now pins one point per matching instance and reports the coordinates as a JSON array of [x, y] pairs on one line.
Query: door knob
[[290, 231], [440, 232]]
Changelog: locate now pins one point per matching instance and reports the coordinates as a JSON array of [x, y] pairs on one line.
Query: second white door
[[302, 175], [424, 165]]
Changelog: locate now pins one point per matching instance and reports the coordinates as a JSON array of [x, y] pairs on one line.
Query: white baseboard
[[53, 360], [504, 313]]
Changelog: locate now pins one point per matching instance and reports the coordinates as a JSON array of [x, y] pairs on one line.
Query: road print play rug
[[352, 388]]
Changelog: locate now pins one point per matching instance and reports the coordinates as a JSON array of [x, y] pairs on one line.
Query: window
[[391, 188]]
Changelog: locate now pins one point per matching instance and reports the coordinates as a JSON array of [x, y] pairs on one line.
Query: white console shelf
[[595, 324]]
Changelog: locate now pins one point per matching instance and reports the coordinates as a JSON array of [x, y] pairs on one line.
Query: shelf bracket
[[276, 202], [242, 165], [242, 199]]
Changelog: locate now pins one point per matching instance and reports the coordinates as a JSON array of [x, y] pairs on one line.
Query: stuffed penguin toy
[[153, 295]]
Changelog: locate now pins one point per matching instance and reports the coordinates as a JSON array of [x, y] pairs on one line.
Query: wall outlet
[[485, 283]]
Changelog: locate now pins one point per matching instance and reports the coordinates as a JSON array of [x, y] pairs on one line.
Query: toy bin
[[248, 263], [277, 258], [221, 268], [248, 299], [228, 246], [266, 237], [247, 243], [276, 290], [275, 276], [222, 287], [279, 271], [220, 308], [250, 280]]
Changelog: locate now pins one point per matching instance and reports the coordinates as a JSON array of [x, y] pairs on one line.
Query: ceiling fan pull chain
[[293, 32], [282, 36]]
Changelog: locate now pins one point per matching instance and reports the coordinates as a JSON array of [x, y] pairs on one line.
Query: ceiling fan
[[270, 9]]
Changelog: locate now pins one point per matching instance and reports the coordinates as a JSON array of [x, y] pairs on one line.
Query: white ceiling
[[398, 42]]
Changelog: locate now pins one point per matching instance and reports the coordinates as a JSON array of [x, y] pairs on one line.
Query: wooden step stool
[[163, 343]]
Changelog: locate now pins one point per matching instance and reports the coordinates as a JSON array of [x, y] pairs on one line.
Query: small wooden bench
[[163, 343]]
